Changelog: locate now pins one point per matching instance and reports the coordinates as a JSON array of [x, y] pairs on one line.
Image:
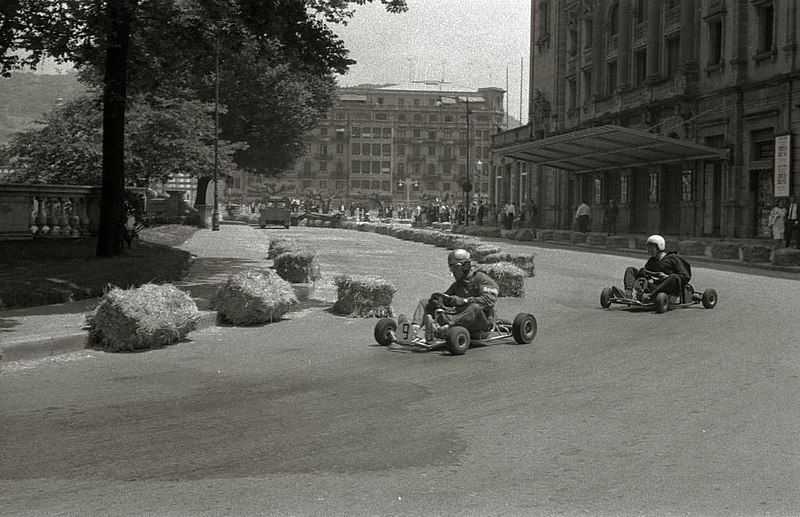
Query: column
[[654, 9], [687, 48], [624, 44], [598, 63]]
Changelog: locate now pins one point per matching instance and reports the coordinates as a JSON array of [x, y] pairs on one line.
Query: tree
[[164, 137], [102, 36]]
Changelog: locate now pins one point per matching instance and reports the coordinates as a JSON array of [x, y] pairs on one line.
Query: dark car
[[275, 211]]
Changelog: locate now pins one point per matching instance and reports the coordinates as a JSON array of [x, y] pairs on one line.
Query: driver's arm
[[483, 290]]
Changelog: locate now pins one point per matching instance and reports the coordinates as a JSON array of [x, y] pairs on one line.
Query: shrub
[[142, 318], [298, 266], [251, 297], [363, 296], [279, 246], [510, 279]]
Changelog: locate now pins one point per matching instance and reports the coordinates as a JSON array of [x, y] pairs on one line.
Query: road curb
[[41, 347]]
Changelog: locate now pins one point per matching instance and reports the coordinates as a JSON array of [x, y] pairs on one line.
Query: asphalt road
[[607, 412]]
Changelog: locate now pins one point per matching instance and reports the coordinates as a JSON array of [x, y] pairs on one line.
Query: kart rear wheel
[[710, 298], [384, 330], [605, 298], [457, 340], [661, 302], [524, 328]]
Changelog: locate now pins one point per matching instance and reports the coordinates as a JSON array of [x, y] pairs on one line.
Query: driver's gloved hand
[[457, 301]]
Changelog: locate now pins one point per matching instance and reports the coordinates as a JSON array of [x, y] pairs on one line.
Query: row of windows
[[385, 167], [404, 117], [385, 133], [380, 185]]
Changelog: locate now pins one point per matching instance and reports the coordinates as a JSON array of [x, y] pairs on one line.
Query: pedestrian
[[777, 221], [481, 212], [530, 213], [510, 213], [792, 224], [582, 216], [610, 217]]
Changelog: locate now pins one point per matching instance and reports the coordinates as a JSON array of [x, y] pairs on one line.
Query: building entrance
[[671, 200], [638, 200]]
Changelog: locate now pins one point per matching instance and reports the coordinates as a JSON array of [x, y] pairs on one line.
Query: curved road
[[608, 412]]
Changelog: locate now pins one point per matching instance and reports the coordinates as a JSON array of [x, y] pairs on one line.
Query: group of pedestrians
[[783, 221], [583, 217]]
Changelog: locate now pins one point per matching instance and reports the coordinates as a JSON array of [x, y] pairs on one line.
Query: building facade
[[401, 145], [683, 111]]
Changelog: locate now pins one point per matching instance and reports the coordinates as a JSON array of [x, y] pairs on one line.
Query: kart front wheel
[[384, 330], [605, 298], [661, 302], [457, 340], [709, 298], [524, 328]]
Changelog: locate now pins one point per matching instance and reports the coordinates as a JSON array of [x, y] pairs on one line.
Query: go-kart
[[644, 285], [458, 339]]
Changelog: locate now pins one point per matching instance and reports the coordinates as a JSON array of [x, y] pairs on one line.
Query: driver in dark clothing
[[468, 302], [673, 272]]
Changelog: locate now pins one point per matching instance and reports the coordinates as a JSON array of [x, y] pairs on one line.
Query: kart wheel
[[605, 298], [661, 302], [524, 328], [384, 330], [457, 340], [710, 298]]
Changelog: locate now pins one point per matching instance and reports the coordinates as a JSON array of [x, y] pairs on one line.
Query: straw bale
[[690, 247], [478, 250], [596, 239], [363, 296], [510, 279], [786, 257], [298, 266], [406, 234], [149, 316], [725, 250], [577, 238], [251, 297], [755, 253], [278, 246], [524, 261]]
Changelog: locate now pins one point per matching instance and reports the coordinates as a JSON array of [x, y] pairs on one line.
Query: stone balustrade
[[38, 211]]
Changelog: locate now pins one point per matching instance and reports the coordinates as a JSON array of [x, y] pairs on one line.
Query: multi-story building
[[683, 111], [401, 144]]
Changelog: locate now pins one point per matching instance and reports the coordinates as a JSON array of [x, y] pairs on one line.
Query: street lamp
[[467, 185], [215, 213], [408, 186]]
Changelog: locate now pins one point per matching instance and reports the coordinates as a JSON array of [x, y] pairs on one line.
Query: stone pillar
[[598, 63], [687, 48], [654, 9], [624, 44]]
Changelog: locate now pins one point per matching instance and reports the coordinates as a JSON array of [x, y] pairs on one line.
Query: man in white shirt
[[792, 224], [582, 216]]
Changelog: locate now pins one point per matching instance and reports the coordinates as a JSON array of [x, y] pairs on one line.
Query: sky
[[469, 44]]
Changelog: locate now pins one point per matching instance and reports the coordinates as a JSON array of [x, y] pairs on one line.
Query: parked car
[[275, 210]]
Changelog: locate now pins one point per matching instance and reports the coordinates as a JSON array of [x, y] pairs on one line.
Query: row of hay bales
[[509, 270]]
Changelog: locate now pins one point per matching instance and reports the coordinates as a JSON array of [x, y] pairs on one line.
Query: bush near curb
[[279, 246], [298, 266], [361, 296], [142, 318], [521, 260], [251, 297], [510, 279]]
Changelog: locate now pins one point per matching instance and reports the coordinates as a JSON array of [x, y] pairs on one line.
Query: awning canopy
[[608, 147]]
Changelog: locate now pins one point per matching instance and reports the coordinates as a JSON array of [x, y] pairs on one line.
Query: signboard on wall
[[782, 165]]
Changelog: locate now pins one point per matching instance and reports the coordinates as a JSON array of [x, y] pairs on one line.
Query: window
[[640, 14], [763, 144], [432, 118], [686, 185], [339, 167], [381, 116], [385, 185], [401, 149], [355, 132], [339, 148], [366, 132], [375, 167], [365, 148], [402, 117], [672, 4], [448, 118], [355, 167], [386, 149], [431, 169], [416, 150], [673, 55], [611, 76], [715, 42], [613, 20], [417, 133], [323, 149], [431, 150], [417, 118], [431, 135], [355, 184], [376, 132], [544, 19], [339, 186], [323, 166], [386, 167], [766, 27], [387, 132], [380, 100], [653, 193], [355, 149], [640, 67], [365, 184], [416, 101], [588, 33], [623, 189], [323, 184], [573, 94], [401, 169], [572, 40], [376, 149], [401, 101], [323, 131], [587, 84]]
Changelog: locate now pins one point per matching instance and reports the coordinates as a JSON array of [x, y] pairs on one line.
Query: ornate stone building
[[396, 144], [683, 111]]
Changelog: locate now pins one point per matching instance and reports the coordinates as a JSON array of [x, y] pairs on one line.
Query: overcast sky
[[467, 43]]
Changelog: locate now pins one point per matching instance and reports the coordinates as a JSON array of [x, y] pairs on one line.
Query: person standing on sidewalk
[[792, 224], [582, 216], [777, 221], [610, 215]]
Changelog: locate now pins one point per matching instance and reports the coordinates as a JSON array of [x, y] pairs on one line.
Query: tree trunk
[[112, 202]]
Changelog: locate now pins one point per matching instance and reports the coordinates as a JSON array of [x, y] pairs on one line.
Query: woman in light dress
[[777, 221]]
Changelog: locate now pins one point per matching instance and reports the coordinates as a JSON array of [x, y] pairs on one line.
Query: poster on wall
[[782, 165]]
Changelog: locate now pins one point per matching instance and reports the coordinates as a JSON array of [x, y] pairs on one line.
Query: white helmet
[[658, 240]]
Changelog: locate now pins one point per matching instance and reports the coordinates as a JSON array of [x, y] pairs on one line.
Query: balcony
[[38, 211]]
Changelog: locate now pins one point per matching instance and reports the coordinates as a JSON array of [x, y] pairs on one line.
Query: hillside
[[25, 97]]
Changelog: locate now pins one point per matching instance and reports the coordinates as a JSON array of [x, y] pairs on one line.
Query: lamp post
[[467, 186], [408, 184]]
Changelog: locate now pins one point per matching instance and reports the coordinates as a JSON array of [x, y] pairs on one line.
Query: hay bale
[[786, 257], [142, 318], [298, 266], [692, 248], [363, 296], [725, 250], [521, 260], [479, 251], [279, 246], [596, 239], [618, 241], [545, 235], [755, 253], [251, 297], [510, 279], [577, 238], [526, 235]]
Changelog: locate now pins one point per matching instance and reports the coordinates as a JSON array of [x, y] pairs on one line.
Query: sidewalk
[[34, 333]]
